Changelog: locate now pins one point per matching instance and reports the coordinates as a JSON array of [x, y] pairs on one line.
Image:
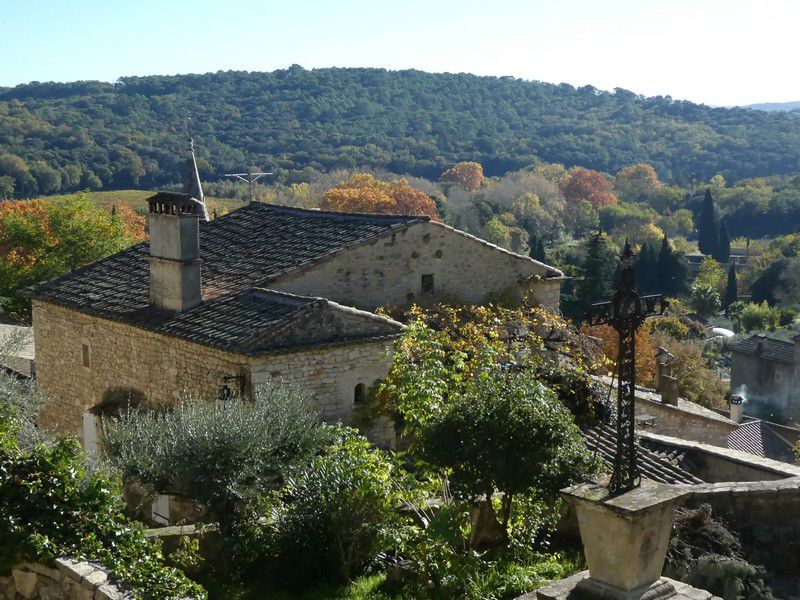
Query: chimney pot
[[735, 405]]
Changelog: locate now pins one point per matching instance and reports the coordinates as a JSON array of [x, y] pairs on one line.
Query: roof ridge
[[334, 213]]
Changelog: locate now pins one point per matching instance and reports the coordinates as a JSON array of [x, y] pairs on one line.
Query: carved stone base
[[591, 589], [581, 587]]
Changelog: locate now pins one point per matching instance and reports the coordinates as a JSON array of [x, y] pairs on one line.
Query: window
[[359, 393], [86, 356], [427, 283]]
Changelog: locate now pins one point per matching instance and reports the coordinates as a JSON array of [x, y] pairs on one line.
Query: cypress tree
[[731, 288], [708, 236], [647, 270], [671, 269], [540, 255], [598, 273], [532, 240], [723, 244]]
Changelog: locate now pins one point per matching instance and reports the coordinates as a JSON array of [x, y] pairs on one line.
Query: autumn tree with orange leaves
[[584, 184], [364, 193], [637, 182], [469, 175], [646, 348], [40, 239]]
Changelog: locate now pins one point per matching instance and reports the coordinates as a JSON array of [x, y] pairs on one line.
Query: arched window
[[359, 393]]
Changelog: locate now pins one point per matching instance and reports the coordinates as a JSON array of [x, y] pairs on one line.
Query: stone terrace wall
[[765, 513], [120, 356], [388, 271], [713, 464], [69, 580]]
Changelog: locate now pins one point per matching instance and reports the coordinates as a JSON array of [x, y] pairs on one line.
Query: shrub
[[759, 317], [334, 516], [220, 454], [672, 326], [51, 506], [507, 433]]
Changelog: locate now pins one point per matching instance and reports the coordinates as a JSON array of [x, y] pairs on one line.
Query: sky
[[718, 52]]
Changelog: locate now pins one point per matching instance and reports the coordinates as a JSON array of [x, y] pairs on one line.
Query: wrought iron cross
[[626, 312]]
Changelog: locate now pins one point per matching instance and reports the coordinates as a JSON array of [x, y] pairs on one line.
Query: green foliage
[[507, 432], [672, 326], [598, 269], [705, 299], [672, 272], [223, 455], [40, 240], [731, 288], [51, 506], [759, 317], [723, 253], [708, 241], [334, 516], [121, 135]]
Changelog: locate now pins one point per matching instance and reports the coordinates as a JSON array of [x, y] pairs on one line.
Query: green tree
[[731, 288], [507, 433], [723, 253], [599, 266], [220, 454], [40, 240], [672, 271], [336, 514], [759, 317], [647, 276], [540, 251], [708, 240]]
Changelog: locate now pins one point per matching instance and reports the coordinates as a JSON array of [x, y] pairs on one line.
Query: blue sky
[[719, 52]]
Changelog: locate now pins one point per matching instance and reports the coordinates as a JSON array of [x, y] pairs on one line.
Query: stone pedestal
[[625, 540]]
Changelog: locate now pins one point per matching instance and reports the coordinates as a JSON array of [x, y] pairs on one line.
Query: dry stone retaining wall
[[68, 580]]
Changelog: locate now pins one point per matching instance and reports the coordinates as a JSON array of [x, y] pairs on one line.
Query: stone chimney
[[761, 344], [736, 402], [173, 221]]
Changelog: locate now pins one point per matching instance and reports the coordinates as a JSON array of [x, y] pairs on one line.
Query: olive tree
[[219, 454]]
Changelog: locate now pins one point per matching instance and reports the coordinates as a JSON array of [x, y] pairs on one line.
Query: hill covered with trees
[[58, 137]]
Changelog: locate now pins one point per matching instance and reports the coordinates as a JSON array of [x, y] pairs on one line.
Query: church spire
[[191, 181]]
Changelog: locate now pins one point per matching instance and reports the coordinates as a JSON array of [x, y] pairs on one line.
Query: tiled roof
[[652, 465], [244, 249], [757, 437], [240, 250], [774, 349]]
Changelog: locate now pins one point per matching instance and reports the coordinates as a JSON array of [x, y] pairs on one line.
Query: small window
[[359, 393], [427, 283], [86, 356]]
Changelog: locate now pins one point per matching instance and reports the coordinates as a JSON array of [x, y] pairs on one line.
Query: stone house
[[765, 371], [264, 293]]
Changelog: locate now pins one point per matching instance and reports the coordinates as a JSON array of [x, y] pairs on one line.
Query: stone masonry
[[388, 271], [67, 580], [164, 368]]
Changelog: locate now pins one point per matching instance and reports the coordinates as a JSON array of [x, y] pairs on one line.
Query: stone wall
[[388, 271], [687, 420], [766, 514], [714, 464], [332, 374], [164, 368], [119, 357], [68, 580]]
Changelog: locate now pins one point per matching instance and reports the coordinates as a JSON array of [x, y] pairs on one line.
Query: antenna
[[250, 178]]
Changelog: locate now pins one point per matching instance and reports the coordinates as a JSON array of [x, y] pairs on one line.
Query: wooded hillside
[[61, 137]]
